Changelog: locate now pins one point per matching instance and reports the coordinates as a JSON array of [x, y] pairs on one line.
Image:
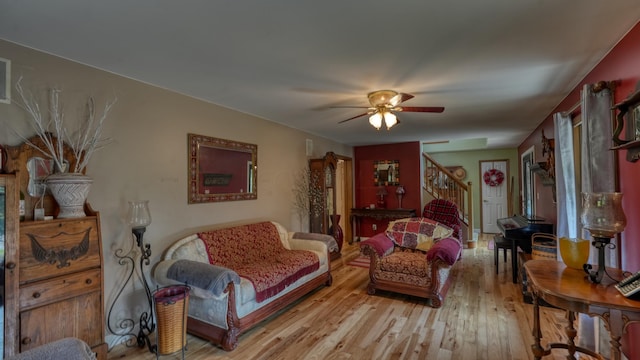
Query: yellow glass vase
[[574, 252]]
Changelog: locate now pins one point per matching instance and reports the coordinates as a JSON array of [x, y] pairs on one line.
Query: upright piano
[[518, 229]]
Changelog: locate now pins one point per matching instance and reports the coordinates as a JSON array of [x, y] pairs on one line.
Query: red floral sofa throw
[[269, 266]]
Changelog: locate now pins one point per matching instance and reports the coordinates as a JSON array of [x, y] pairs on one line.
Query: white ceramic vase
[[70, 192]]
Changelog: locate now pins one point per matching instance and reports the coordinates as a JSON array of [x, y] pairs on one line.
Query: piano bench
[[499, 242]]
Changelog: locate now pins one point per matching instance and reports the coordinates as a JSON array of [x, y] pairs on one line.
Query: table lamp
[[382, 192], [603, 217]]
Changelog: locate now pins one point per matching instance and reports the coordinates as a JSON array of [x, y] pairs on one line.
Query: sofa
[[414, 256], [240, 275]]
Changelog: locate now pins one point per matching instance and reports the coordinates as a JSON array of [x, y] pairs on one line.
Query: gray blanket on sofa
[[205, 276]]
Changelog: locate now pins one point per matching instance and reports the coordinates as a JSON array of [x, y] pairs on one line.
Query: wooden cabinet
[[9, 197], [323, 192], [323, 199], [53, 269], [61, 282]]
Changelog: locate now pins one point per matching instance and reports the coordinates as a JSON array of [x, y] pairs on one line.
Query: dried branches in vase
[[69, 187], [84, 139], [307, 199]]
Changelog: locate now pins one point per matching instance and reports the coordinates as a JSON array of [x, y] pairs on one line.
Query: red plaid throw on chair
[[444, 212]]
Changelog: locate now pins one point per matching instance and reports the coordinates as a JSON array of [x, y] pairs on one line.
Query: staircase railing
[[440, 183]]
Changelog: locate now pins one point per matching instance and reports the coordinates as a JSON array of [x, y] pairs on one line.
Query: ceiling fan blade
[[431, 109], [405, 97], [351, 118]]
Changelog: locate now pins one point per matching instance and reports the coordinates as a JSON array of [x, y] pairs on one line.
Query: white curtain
[[598, 174], [598, 169], [598, 166], [598, 161], [568, 206]]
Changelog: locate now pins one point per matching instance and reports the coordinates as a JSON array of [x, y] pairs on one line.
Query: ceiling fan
[[384, 103]]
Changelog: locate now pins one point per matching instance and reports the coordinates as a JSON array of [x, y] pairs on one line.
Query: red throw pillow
[[448, 249]]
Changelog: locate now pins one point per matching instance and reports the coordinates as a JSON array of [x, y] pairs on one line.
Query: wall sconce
[[138, 217], [629, 111], [603, 216]]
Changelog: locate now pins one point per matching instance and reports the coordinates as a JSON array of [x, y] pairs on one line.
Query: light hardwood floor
[[483, 317]]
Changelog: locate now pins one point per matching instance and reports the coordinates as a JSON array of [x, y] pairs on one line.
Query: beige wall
[[148, 158]]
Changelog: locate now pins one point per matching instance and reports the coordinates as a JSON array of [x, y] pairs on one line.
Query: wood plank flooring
[[483, 317]]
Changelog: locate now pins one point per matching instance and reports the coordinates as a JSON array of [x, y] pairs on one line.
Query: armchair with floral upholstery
[[414, 256]]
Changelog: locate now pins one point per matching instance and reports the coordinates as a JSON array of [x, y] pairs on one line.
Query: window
[[528, 185]]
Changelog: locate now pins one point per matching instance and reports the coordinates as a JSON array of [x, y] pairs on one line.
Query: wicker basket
[[171, 305], [544, 246]]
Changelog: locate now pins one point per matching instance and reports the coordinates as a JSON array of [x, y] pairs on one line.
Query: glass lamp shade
[[139, 215], [390, 120], [602, 214], [376, 120]]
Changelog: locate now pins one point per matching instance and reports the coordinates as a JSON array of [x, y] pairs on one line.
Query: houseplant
[[68, 183], [307, 199]]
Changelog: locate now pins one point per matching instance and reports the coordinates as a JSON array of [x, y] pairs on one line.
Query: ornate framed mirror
[[221, 170], [386, 172]]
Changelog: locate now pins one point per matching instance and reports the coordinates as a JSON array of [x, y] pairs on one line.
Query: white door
[[494, 195]]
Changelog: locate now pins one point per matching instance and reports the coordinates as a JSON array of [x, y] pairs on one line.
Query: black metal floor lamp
[[139, 218]]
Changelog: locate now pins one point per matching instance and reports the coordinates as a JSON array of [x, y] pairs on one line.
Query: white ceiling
[[498, 66]]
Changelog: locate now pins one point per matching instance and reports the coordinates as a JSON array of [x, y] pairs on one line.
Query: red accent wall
[[622, 64], [408, 154]]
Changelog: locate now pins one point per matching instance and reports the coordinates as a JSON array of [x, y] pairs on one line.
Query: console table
[[571, 290], [378, 214]]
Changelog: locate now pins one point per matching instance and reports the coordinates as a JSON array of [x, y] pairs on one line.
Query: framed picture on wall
[[5, 81]]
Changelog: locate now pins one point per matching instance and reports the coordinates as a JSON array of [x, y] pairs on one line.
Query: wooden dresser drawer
[[73, 317], [56, 289], [58, 247]]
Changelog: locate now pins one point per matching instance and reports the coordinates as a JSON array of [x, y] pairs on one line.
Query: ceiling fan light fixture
[[384, 104], [376, 120], [383, 98], [390, 120]]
